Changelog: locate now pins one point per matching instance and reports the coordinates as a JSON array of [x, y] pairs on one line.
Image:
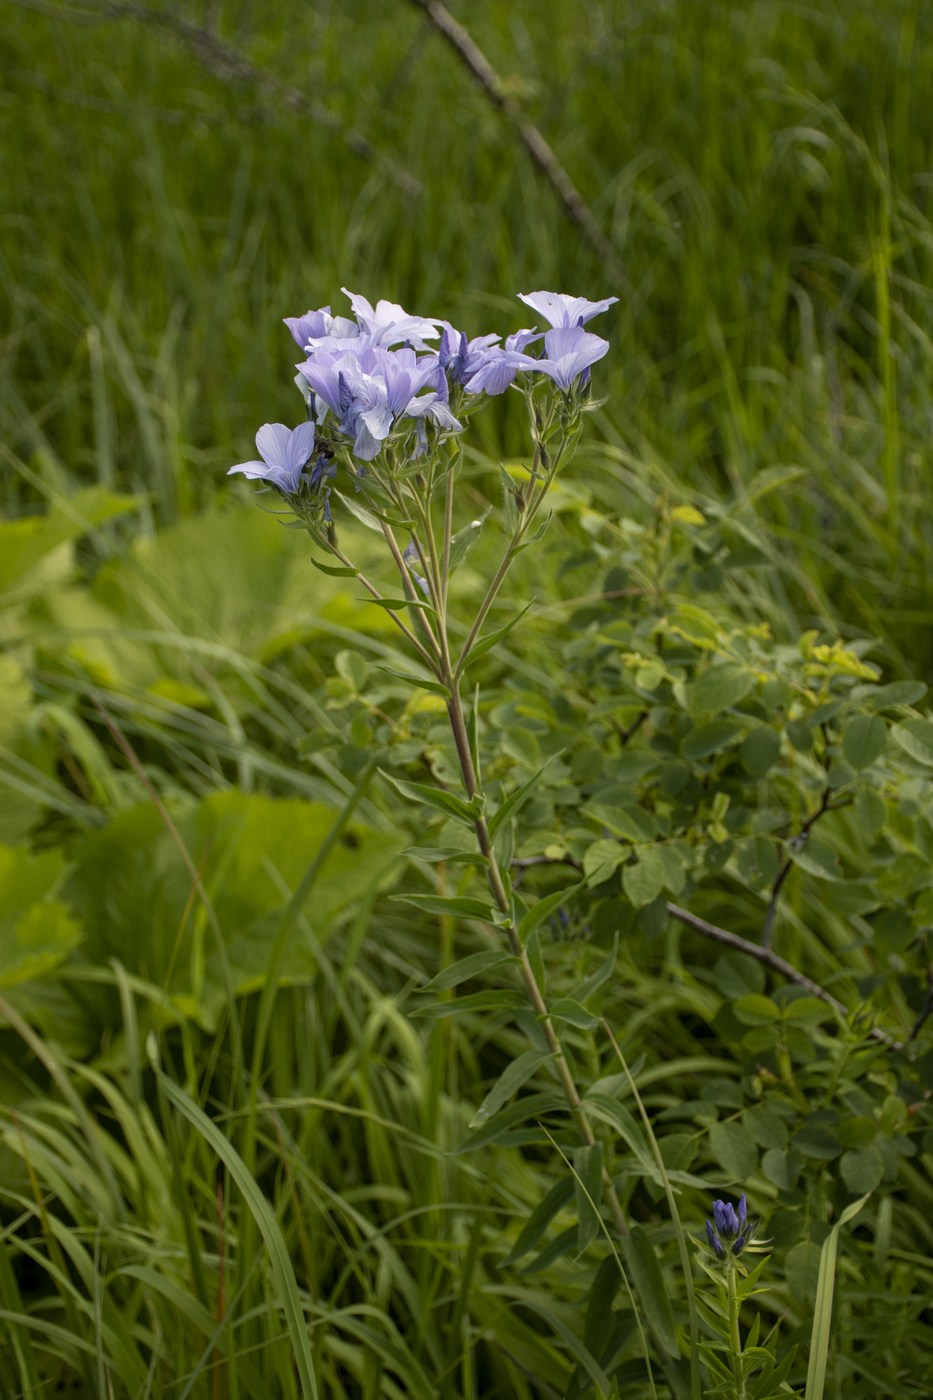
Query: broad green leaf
[[695, 625], [760, 750], [734, 1148], [737, 974], [613, 808], [756, 1010], [870, 812], [889, 697], [862, 1169], [643, 880], [35, 550], [781, 1167], [810, 1011], [602, 859], [915, 737], [509, 1082], [37, 931], [802, 1266], [818, 1140], [709, 738], [134, 893], [766, 1126], [816, 857], [864, 740], [720, 687]]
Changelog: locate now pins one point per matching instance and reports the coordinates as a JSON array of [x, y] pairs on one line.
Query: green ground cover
[[242, 1152]]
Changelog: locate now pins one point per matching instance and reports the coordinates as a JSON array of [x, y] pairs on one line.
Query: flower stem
[[735, 1340], [500, 894]]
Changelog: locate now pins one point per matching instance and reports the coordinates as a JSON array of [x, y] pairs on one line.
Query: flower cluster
[[731, 1231], [378, 378]]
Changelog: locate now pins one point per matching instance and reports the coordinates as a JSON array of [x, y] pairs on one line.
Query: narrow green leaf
[[437, 798], [544, 908], [515, 800], [509, 1082], [643, 1263], [587, 1181], [538, 1105], [485, 644], [822, 1313], [476, 1002], [459, 905], [451, 855], [540, 1218], [473, 966], [566, 1009], [399, 604], [335, 570], [423, 682], [268, 1225]]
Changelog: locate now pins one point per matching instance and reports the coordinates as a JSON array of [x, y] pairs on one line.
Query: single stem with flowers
[[389, 407]]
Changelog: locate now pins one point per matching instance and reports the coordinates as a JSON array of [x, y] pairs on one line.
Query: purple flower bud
[[714, 1242]]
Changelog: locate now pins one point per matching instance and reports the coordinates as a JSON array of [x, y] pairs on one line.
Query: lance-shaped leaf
[[517, 1073], [515, 800], [441, 801]]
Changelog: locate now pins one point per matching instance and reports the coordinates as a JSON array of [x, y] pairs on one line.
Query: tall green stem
[[735, 1340], [535, 995]]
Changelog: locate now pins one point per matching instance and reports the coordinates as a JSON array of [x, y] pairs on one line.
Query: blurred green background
[[187, 713], [177, 178]]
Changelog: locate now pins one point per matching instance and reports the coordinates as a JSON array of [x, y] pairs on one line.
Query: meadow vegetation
[[276, 1118]]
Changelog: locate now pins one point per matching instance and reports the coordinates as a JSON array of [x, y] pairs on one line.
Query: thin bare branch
[[230, 65], [472, 56], [777, 964]]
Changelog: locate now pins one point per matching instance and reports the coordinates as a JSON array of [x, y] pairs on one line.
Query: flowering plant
[[387, 396]]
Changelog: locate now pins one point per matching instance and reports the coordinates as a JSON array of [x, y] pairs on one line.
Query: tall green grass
[[761, 169]]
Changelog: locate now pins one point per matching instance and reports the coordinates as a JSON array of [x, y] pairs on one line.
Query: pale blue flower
[[561, 310], [387, 323], [285, 453], [569, 352], [460, 357]]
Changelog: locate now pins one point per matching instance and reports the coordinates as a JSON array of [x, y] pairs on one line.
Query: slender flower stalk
[[378, 396]]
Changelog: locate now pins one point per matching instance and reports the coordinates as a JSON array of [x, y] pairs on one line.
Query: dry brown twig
[[472, 56]]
